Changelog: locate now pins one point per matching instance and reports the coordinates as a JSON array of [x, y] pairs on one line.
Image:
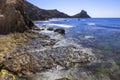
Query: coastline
[[48, 55]]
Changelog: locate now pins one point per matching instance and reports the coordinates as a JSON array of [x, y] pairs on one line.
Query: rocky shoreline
[[33, 56], [14, 60], [20, 59]]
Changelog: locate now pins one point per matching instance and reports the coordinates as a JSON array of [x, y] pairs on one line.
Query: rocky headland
[[82, 14]]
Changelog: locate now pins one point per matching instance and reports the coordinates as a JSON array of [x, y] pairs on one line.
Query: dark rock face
[[34, 12], [13, 17], [60, 30], [82, 14], [57, 14]]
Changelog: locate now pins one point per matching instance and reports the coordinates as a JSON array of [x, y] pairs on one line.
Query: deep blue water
[[99, 33]]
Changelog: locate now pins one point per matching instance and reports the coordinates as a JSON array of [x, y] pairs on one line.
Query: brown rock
[[21, 62], [13, 17]]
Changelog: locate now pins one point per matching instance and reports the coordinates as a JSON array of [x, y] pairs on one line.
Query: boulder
[[13, 17], [60, 30]]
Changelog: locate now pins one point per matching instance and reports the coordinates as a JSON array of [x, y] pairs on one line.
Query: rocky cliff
[[82, 14], [36, 13], [13, 17]]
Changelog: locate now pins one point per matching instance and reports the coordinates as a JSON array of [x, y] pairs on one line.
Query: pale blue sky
[[95, 8]]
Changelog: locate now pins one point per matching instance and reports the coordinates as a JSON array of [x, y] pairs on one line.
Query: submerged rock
[[50, 29], [60, 30], [13, 17]]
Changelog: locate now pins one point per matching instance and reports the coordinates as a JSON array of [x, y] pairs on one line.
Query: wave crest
[[61, 25]]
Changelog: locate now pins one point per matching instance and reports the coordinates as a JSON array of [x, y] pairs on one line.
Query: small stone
[[60, 30]]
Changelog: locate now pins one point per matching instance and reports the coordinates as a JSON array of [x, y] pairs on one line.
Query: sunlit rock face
[[13, 17]]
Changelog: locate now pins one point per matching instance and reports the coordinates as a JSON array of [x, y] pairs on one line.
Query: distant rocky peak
[[83, 11], [82, 14], [55, 9]]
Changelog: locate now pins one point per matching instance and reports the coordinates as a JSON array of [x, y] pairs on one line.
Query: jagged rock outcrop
[[82, 14], [13, 17]]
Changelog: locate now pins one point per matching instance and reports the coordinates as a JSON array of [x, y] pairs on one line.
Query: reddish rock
[[13, 17]]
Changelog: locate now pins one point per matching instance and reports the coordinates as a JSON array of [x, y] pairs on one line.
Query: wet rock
[[65, 57], [14, 18], [50, 29], [60, 30], [63, 79]]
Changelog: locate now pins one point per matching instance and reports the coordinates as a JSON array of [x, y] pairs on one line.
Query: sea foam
[[91, 24], [61, 25]]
